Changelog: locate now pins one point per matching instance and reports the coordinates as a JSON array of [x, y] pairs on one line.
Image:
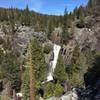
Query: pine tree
[[80, 12], [31, 74], [25, 16], [65, 33], [90, 7], [50, 28], [96, 7], [75, 13], [35, 71], [65, 19], [59, 72], [38, 60]]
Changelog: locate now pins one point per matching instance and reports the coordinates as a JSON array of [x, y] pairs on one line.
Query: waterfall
[[53, 62]]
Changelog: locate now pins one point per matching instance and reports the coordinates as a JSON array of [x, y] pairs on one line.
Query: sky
[[53, 7]]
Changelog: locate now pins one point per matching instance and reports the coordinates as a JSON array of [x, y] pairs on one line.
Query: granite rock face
[[89, 37], [22, 37]]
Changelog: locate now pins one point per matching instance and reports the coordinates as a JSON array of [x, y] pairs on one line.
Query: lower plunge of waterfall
[[53, 62]]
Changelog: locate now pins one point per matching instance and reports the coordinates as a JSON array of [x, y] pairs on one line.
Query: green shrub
[[47, 48], [49, 90], [58, 90], [52, 89]]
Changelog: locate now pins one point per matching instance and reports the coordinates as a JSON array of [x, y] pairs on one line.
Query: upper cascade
[[53, 62]]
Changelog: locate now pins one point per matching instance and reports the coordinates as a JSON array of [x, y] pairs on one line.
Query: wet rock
[[71, 95]]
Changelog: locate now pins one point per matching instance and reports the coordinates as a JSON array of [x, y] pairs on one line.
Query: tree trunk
[[31, 75]]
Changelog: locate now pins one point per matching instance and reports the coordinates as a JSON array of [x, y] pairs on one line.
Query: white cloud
[[35, 4]]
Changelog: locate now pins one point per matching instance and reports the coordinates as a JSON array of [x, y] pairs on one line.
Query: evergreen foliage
[[59, 73], [52, 89], [47, 48], [25, 84], [90, 7], [38, 69], [38, 60], [75, 69], [10, 64], [93, 71]]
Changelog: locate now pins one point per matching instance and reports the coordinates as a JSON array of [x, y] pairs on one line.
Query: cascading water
[[52, 64]]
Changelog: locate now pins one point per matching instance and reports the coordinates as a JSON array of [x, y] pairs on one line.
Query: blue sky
[[55, 7]]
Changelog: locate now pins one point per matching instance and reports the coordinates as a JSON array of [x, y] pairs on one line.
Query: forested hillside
[[27, 41]]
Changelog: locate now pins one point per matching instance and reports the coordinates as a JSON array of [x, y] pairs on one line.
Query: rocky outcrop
[[89, 37], [67, 51], [86, 38], [22, 36], [56, 35], [25, 34]]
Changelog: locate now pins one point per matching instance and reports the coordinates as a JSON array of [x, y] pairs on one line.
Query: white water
[[56, 50], [72, 95]]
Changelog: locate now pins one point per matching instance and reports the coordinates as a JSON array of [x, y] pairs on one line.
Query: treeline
[[28, 18], [45, 23]]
